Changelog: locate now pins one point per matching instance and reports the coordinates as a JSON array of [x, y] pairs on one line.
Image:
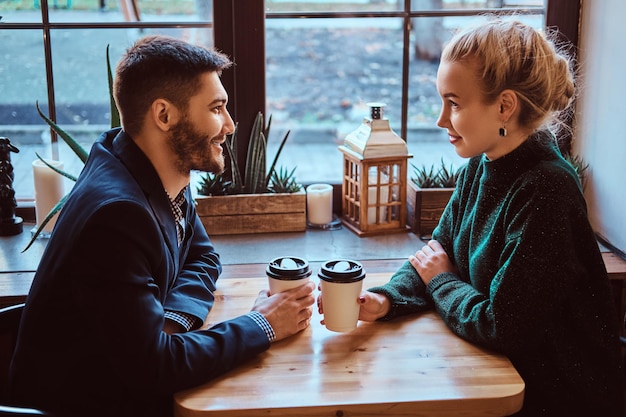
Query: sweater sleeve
[[406, 291], [535, 266]]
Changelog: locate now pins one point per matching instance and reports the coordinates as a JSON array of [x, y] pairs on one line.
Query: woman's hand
[[372, 305], [431, 260]]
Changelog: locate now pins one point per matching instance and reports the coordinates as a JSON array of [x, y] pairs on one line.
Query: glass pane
[[81, 92], [332, 6], [108, 11], [471, 4], [321, 73], [19, 11], [22, 82], [131, 10]]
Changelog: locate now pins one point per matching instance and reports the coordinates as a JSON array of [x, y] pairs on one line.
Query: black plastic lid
[[341, 270], [288, 268]]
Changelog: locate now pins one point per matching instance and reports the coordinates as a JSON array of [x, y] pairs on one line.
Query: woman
[[514, 265]]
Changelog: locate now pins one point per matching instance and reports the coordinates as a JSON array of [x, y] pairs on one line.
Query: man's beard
[[193, 150]]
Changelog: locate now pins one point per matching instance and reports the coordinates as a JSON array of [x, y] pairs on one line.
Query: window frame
[[239, 31], [236, 28]]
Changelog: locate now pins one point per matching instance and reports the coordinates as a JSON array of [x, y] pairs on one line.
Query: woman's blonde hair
[[512, 55]]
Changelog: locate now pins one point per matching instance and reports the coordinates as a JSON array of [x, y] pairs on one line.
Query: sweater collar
[[540, 146]]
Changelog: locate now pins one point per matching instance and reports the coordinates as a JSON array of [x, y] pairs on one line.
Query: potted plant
[[428, 192], [259, 201]]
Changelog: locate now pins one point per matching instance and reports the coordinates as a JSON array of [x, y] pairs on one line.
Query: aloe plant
[[257, 177], [76, 147]]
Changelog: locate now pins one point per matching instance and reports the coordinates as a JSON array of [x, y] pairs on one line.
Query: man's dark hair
[[160, 67]]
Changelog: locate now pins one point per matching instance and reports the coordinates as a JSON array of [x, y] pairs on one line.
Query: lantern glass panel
[[378, 194]]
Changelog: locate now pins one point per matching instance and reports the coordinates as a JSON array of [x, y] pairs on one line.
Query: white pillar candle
[[319, 203], [48, 191], [372, 199]]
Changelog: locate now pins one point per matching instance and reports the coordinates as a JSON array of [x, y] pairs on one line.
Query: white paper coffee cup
[[341, 283], [286, 272]]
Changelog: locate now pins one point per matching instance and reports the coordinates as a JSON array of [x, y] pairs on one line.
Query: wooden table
[[409, 366]]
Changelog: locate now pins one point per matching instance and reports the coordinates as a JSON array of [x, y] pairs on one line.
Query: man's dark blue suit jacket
[[91, 340]]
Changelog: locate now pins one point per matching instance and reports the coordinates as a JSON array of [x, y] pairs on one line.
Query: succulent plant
[[428, 177], [447, 177], [423, 177], [214, 184], [284, 181], [257, 177]]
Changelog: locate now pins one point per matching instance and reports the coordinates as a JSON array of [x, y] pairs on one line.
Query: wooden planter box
[[252, 213], [425, 206]]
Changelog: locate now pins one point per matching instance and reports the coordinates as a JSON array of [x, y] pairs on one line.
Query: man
[[111, 322]]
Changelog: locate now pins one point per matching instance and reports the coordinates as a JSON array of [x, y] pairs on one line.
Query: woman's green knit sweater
[[531, 285]]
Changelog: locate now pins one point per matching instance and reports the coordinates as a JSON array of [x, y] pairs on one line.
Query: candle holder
[[374, 196], [10, 224]]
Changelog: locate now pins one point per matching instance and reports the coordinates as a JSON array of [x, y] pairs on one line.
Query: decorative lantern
[[374, 192]]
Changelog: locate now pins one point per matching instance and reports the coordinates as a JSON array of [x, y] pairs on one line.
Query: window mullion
[[239, 32]]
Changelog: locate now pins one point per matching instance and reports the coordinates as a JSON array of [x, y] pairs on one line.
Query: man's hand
[[288, 312]]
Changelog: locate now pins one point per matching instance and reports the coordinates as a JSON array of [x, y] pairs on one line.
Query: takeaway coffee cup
[[341, 282], [286, 272]]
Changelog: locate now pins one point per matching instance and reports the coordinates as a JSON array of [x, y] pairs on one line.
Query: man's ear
[[508, 104], [164, 114]]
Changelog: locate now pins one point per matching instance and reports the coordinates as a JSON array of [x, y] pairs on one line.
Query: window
[[322, 63], [327, 60], [55, 52]]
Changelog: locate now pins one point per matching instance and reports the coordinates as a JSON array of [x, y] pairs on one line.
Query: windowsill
[[259, 248], [249, 254], [26, 210]]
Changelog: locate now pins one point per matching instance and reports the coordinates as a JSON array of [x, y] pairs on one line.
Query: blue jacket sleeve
[[122, 285]]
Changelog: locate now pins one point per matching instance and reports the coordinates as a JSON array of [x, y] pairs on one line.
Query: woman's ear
[[508, 104]]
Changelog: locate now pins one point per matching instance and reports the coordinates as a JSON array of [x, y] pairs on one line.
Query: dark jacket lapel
[[142, 170]]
